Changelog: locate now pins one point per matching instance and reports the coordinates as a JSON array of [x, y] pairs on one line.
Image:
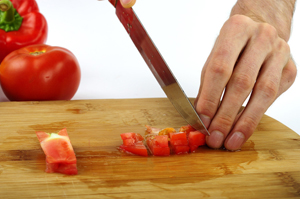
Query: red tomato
[[60, 156], [159, 145], [40, 72], [133, 143]]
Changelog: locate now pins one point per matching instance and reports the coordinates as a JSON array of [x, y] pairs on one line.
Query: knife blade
[[158, 66]]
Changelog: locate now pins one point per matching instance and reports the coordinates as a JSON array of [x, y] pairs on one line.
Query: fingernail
[[205, 119], [236, 141], [215, 140]]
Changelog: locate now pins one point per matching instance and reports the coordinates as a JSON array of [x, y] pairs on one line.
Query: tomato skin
[[52, 75]]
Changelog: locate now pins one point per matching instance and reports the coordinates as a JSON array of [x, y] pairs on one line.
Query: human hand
[[248, 58], [127, 3]]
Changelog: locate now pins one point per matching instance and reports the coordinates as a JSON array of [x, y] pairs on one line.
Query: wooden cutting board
[[268, 166]]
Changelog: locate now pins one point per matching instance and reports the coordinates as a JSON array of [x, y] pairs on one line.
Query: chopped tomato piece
[[187, 129], [179, 143], [180, 149], [159, 145], [178, 139], [133, 143], [60, 156], [136, 149], [196, 139], [130, 139]]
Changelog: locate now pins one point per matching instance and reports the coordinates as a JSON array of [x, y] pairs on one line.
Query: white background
[[183, 31]]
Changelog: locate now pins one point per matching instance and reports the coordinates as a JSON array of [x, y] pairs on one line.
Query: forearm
[[278, 13]]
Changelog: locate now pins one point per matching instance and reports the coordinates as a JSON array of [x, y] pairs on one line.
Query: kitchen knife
[[158, 66]]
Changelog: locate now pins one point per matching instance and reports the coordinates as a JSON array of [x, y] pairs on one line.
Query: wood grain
[[267, 166]]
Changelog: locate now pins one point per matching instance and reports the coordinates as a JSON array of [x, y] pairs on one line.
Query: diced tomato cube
[[131, 138], [178, 139], [180, 149], [158, 145], [196, 139], [133, 143], [160, 151], [179, 142], [162, 140]]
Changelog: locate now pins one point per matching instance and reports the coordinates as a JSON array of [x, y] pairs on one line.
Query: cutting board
[[267, 166]]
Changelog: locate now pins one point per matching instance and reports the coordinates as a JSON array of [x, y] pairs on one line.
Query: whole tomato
[[40, 72]]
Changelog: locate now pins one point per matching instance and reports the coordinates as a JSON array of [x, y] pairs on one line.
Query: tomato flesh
[[159, 145], [133, 143], [179, 142], [196, 139], [60, 156]]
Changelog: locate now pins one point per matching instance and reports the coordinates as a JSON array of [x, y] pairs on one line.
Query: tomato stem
[[10, 19], [36, 53]]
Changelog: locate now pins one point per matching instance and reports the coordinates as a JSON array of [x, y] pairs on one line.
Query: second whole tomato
[[40, 72]]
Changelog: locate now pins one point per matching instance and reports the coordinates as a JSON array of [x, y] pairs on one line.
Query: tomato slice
[[159, 145], [60, 156], [133, 143]]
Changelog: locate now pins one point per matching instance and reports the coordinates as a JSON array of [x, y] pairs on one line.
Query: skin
[[250, 57]]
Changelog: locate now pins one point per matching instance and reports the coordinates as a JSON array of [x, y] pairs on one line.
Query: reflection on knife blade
[[158, 66]]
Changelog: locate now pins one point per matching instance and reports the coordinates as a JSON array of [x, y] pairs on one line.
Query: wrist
[[277, 13]]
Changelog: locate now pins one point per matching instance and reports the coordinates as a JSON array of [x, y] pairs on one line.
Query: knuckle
[[242, 82], [237, 22], [250, 122], [219, 67], [269, 89], [207, 107], [224, 122], [283, 47], [290, 71], [267, 32]]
